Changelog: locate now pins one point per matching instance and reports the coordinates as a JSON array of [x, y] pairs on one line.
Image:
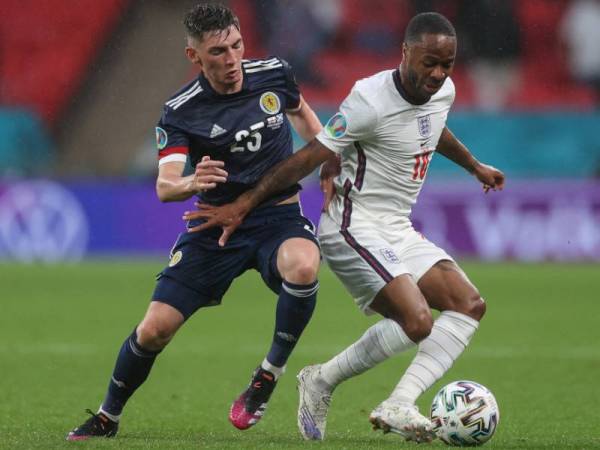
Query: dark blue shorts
[[200, 272]]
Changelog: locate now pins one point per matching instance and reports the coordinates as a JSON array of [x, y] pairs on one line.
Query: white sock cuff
[[109, 415], [392, 337], [277, 371], [300, 290], [458, 325]]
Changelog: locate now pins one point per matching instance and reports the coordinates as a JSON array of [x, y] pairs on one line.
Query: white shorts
[[366, 259]]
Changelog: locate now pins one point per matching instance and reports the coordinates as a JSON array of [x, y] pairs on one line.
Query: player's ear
[[192, 54], [404, 50]]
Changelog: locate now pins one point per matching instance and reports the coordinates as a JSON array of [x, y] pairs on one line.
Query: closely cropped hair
[[209, 17], [427, 23]]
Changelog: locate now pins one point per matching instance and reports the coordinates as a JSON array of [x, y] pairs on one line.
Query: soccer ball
[[464, 414]]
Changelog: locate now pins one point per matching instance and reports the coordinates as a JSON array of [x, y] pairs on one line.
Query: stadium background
[[82, 84]]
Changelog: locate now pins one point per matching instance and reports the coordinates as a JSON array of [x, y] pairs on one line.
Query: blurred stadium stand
[[82, 83], [47, 48], [86, 70], [25, 147]]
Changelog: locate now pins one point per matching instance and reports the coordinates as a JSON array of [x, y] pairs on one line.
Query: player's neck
[[405, 89], [226, 89]]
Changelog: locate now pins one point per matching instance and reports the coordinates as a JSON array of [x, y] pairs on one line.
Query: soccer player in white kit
[[383, 138]]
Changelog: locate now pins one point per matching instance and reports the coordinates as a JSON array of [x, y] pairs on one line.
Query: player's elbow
[[164, 198], [162, 191], [313, 155]]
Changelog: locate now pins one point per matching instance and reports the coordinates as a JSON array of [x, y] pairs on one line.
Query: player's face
[[220, 57], [426, 64]]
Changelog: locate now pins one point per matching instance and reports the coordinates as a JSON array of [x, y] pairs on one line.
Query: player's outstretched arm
[[281, 176], [456, 151], [171, 186], [307, 125]]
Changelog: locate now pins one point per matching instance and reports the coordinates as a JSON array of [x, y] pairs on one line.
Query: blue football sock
[[294, 309], [131, 370]]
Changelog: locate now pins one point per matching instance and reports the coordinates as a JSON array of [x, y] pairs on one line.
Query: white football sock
[[449, 336], [379, 342], [109, 415], [275, 370]]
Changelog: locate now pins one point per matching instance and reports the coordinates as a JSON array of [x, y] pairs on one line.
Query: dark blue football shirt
[[247, 130]]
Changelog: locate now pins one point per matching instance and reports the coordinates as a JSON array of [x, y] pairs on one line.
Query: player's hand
[[490, 177], [228, 217], [207, 174], [329, 170]]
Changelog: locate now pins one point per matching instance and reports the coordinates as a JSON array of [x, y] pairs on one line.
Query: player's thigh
[[418, 253], [200, 272], [298, 260], [364, 262], [447, 288], [287, 249]]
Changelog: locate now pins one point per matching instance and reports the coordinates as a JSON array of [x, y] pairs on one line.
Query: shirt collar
[[402, 91], [208, 88]]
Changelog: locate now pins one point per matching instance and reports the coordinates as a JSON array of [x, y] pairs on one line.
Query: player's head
[[428, 54], [214, 42]]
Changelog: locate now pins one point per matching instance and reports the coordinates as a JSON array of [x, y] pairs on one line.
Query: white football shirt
[[386, 145]]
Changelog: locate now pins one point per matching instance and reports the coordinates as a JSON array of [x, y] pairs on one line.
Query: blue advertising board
[[42, 220]]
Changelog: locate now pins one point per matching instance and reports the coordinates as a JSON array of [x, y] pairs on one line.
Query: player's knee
[[471, 304], [304, 271], [419, 326], [298, 261], [151, 336], [477, 307]]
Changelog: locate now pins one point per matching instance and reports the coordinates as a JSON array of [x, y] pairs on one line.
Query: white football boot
[[403, 419], [315, 398]]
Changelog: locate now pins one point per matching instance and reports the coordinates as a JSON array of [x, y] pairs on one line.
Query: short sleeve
[[292, 91], [355, 121], [171, 142]]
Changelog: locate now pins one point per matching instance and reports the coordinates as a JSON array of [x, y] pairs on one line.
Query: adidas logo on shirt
[[217, 131]]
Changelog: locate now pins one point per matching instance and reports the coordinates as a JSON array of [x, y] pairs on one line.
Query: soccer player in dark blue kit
[[233, 123]]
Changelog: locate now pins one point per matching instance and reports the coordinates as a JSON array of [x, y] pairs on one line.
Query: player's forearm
[[286, 173], [308, 125], [305, 121], [455, 151], [175, 189], [309, 129]]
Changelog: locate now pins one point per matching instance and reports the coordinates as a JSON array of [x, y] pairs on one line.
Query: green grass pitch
[[538, 350]]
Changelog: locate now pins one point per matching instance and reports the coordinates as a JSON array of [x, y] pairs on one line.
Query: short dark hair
[[207, 17], [427, 23]]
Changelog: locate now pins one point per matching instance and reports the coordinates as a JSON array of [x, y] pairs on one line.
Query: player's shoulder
[[373, 84], [189, 91], [447, 92], [272, 64], [369, 89], [448, 88], [270, 71]]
